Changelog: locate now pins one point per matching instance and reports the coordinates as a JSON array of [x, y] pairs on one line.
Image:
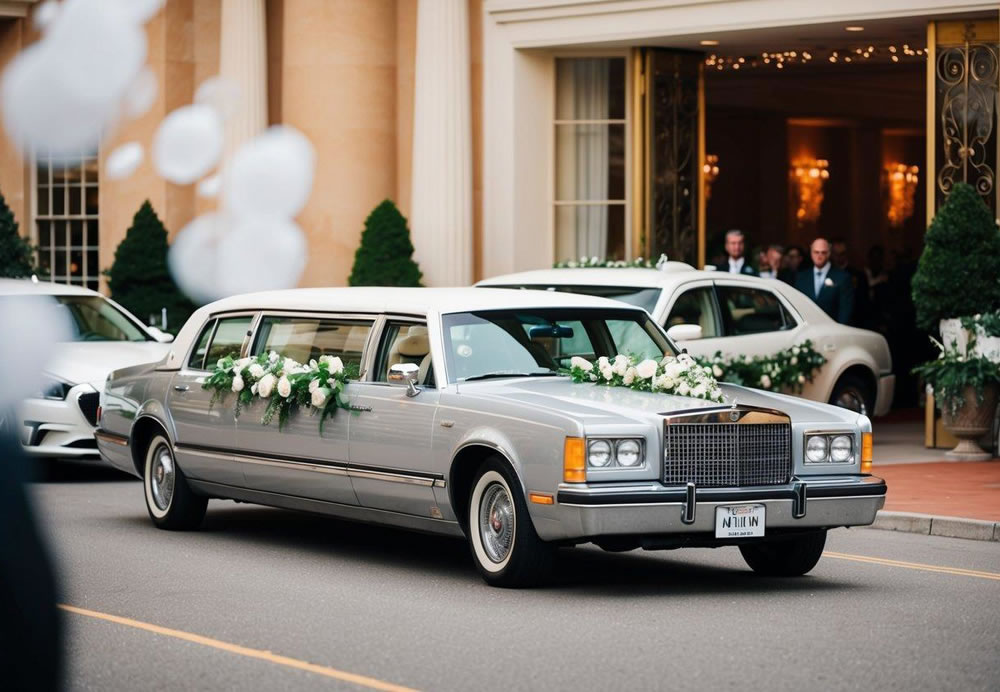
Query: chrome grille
[[718, 455]]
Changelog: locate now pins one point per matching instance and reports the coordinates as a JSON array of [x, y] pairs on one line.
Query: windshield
[[539, 342], [92, 318], [644, 298]]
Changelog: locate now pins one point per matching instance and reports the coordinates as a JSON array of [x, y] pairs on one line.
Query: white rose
[[646, 369], [629, 376], [253, 389], [674, 369], [336, 365], [593, 377], [220, 365], [802, 379], [266, 386], [717, 371], [284, 387], [257, 371], [582, 363], [796, 350], [686, 359], [668, 382], [606, 372], [289, 365], [620, 365], [794, 360], [243, 362], [700, 391], [683, 389], [320, 396], [765, 381], [272, 357], [314, 385], [237, 384]]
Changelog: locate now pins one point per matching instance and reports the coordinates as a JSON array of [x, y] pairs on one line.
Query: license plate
[[739, 521]]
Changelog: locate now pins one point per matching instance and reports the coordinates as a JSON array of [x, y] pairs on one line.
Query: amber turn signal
[[866, 452], [541, 498], [574, 460]]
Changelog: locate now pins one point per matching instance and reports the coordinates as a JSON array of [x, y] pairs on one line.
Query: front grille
[[723, 455], [88, 406]]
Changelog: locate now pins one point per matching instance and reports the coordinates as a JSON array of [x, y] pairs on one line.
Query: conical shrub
[[385, 256], [16, 260]]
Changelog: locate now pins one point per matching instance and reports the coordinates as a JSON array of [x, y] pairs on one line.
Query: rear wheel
[[170, 502], [853, 393], [785, 557], [504, 544]]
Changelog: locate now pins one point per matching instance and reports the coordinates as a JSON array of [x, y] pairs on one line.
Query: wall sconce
[[809, 175], [902, 181], [711, 170]]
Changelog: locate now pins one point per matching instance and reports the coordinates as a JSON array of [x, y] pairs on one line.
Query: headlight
[[841, 448], [56, 390], [816, 448], [599, 453], [628, 453]]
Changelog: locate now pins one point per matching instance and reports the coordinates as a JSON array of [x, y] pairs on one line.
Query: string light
[[780, 59]]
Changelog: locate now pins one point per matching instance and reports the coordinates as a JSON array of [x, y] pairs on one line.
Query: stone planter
[[970, 422], [987, 347]]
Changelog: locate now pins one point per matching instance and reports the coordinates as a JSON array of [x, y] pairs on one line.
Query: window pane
[[197, 359], [43, 172], [93, 266], [90, 174], [405, 343], [75, 200], [750, 310], [44, 233], [76, 233], [43, 200], [90, 203], [695, 306], [590, 231], [59, 234], [95, 319], [590, 89], [76, 263], [228, 337], [60, 267], [305, 339], [59, 199], [590, 162]]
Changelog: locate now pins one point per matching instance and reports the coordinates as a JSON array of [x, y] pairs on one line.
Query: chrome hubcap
[[161, 478], [496, 522]]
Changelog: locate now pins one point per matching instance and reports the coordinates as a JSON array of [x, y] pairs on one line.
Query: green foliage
[[989, 322], [953, 371], [139, 278], [787, 370], [959, 268], [15, 252], [385, 256]]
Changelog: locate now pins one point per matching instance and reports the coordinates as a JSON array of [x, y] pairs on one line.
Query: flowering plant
[[787, 370], [591, 262], [679, 375], [283, 383], [953, 371]]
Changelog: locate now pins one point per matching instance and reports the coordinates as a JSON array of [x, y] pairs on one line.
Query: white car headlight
[[816, 448], [599, 453], [841, 448], [53, 389], [628, 453]]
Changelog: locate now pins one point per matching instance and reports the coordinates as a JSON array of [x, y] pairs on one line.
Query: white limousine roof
[[671, 273], [379, 299]]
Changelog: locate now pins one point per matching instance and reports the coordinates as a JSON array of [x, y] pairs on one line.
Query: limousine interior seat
[[414, 347]]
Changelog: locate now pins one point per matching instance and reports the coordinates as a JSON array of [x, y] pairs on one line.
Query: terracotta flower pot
[[970, 422]]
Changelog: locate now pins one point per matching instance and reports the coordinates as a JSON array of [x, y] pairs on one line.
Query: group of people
[[848, 295]]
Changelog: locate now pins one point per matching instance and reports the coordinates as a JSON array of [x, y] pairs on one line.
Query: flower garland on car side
[[786, 370], [679, 375], [597, 263], [283, 383]]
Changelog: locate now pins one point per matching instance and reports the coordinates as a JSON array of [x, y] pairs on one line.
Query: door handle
[[180, 388]]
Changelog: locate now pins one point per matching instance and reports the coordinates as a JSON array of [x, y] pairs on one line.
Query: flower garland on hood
[[679, 375], [283, 383]]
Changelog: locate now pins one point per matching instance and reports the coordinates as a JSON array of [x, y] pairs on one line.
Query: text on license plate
[[739, 521]]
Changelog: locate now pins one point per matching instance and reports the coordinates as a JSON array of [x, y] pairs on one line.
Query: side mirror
[[406, 373], [160, 336], [684, 332]]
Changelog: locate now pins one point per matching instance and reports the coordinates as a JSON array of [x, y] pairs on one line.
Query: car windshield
[[92, 318], [541, 342], [638, 296]]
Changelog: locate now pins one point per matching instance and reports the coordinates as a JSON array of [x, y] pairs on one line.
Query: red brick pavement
[[968, 489]]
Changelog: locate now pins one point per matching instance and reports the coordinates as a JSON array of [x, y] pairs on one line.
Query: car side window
[[307, 338], [197, 359], [751, 311], [696, 306], [228, 338], [404, 342]]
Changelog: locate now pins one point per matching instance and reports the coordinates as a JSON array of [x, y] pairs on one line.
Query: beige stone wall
[[14, 178]]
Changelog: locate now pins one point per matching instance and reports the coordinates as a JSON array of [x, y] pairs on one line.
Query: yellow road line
[[957, 571], [259, 654]]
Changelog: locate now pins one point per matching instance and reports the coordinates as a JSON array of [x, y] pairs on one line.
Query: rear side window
[[307, 338], [197, 359], [696, 306], [752, 311], [228, 338]]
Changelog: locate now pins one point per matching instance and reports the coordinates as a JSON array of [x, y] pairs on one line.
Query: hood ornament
[[734, 414]]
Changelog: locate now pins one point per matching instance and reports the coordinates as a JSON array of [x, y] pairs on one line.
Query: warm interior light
[[902, 187], [574, 460], [809, 175], [711, 170], [854, 28], [708, 42], [867, 446]]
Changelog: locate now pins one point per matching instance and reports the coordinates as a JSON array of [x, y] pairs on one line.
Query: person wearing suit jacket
[[736, 261], [831, 288]]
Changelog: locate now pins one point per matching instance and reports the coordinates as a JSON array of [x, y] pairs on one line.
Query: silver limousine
[[452, 411]]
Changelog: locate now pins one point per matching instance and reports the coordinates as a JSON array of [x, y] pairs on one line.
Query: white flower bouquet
[[787, 370], [680, 375]]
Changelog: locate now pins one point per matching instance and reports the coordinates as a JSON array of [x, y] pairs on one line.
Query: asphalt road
[[266, 599]]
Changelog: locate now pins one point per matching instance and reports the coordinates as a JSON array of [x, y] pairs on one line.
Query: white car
[[709, 311], [59, 420]]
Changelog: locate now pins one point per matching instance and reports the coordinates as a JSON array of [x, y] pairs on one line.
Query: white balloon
[[220, 93], [123, 161], [209, 187], [280, 240], [141, 94], [270, 175], [188, 143], [194, 258], [45, 14], [41, 325]]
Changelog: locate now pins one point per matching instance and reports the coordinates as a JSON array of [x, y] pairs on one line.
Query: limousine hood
[[600, 404], [92, 361]]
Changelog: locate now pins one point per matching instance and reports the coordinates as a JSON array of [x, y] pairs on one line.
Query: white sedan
[[60, 418], [709, 311]]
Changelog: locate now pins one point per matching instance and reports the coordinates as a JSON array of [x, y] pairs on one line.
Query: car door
[[205, 430], [300, 459], [391, 462], [755, 320], [695, 303]]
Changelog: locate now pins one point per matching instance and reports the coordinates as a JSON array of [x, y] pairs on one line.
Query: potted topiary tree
[[958, 270], [15, 252], [385, 256]]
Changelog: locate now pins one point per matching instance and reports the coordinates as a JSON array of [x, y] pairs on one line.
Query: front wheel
[[170, 502], [785, 557], [853, 393], [505, 546]]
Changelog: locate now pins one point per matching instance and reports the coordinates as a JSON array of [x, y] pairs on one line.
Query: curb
[[929, 525]]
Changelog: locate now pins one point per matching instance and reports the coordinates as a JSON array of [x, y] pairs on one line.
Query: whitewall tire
[[169, 500]]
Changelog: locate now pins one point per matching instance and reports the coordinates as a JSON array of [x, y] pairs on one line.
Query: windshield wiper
[[492, 375]]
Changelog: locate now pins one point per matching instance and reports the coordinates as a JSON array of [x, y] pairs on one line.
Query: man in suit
[[736, 261], [830, 287]]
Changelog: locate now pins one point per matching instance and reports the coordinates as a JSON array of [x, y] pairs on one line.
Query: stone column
[[243, 61], [441, 204]]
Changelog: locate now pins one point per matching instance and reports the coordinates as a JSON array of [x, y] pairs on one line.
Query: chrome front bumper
[[646, 509], [57, 428]]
